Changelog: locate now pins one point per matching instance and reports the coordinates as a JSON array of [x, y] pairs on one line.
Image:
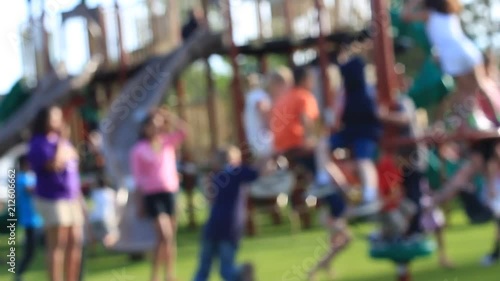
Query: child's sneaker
[[321, 190], [489, 260], [247, 272]]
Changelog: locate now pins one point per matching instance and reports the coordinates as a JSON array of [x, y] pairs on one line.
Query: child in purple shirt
[[225, 225], [57, 193]]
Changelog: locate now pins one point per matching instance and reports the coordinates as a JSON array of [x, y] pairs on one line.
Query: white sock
[[370, 194], [322, 177]]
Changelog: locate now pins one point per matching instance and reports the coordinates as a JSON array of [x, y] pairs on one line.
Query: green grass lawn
[[280, 256]]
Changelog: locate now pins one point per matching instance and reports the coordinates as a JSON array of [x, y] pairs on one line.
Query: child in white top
[[103, 214], [458, 55]]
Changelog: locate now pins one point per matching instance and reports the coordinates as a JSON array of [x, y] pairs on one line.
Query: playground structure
[[126, 78]]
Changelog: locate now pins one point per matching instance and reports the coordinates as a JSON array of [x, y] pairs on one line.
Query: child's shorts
[[336, 204], [158, 203], [408, 208], [301, 158], [62, 212], [393, 223], [362, 148], [100, 229], [485, 147]]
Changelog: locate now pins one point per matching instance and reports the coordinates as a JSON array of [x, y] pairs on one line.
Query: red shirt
[[390, 181]]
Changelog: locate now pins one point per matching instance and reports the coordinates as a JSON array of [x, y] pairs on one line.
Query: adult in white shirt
[[256, 115]]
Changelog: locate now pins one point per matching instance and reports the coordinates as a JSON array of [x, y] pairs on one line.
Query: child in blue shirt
[[29, 219], [225, 226], [361, 128]]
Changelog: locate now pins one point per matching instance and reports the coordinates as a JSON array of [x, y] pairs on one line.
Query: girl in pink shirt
[[154, 168]]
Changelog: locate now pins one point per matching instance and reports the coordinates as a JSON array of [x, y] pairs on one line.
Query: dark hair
[[144, 124], [444, 6], [22, 161], [40, 125], [102, 181], [299, 74]]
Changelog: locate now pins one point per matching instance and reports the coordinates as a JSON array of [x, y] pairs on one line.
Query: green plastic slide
[[17, 96], [402, 251], [431, 85]]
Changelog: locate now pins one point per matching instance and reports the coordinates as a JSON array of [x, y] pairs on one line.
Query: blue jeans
[[226, 252]]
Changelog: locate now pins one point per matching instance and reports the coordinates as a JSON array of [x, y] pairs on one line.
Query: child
[[154, 168], [103, 214], [329, 185], [458, 55], [361, 129], [494, 198], [433, 218], [225, 225], [397, 211], [29, 219], [412, 159]]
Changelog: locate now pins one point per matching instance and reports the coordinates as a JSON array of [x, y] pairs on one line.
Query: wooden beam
[[384, 52], [323, 57]]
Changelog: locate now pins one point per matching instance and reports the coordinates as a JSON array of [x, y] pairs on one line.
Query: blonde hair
[[274, 78], [286, 74], [228, 154], [253, 80]]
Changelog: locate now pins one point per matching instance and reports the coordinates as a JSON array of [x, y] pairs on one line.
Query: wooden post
[[289, 30], [211, 95], [262, 58], [189, 180], [236, 83], [323, 57], [384, 52], [211, 108], [121, 49], [104, 43], [174, 21], [238, 103]]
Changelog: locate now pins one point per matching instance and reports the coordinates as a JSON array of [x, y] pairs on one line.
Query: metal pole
[[323, 57]]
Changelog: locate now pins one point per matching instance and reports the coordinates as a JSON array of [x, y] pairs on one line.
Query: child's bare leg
[[443, 258], [457, 182], [340, 238], [369, 179]]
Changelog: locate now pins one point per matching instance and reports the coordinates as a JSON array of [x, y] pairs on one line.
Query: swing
[[402, 250]]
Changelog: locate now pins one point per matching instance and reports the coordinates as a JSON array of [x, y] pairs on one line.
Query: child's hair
[[22, 161], [253, 81], [300, 73], [444, 6], [274, 78], [286, 73], [229, 154], [102, 181], [144, 124]]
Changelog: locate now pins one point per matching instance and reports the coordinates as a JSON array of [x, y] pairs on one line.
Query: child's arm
[[492, 172], [86, 218], [399, 119], [413, 11]]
